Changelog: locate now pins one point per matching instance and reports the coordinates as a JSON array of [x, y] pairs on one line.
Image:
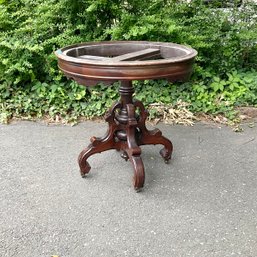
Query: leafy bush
[[30, 31]]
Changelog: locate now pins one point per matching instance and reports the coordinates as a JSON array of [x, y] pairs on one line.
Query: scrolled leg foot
[[84, 169], [124, 155], [83, 164], [166, 154], [139, 173]]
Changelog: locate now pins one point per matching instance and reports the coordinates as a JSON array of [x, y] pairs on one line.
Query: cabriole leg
[[154, 137], [99, 145], [133, 150]]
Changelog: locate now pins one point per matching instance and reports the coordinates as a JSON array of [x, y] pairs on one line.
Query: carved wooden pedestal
[[126, 132]]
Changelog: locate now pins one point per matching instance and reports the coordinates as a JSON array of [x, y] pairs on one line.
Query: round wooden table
[[125, 61]]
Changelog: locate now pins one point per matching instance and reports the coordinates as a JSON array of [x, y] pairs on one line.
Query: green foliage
[[221, 95], [69, 101], [32, 86]]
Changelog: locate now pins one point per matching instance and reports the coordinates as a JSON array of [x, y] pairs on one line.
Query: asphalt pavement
[[202, 204]]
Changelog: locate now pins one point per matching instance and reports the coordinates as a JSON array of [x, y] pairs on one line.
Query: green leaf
[[92, 7]]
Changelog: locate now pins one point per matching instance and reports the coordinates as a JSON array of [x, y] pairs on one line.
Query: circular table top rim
[[190, 54]]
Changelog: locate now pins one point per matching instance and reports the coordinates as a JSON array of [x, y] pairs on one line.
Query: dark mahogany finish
[[90, 63]]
